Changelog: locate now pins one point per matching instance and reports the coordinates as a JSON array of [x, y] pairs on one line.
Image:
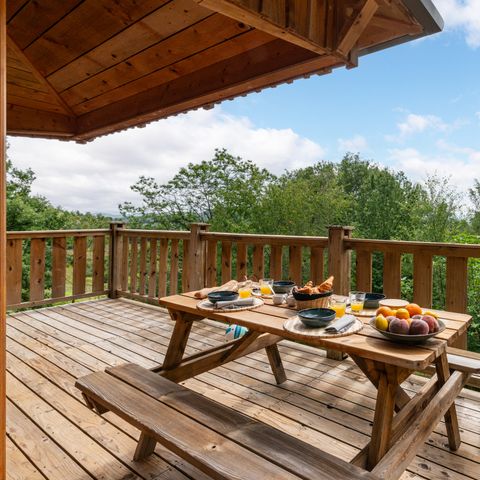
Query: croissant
[[327, 285]]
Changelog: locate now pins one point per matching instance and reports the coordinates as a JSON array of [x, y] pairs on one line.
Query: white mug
[[278, 298]]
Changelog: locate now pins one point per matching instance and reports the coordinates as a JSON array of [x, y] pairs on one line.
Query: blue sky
[[414, 107]]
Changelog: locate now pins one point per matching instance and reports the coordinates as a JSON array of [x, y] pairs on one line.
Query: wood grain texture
[[226, 262], [162, 267], [37, 269], [276, 262], [457, 279], [258, 261], [14, 271], [295, 264], [133, 267], [59, 266], [392, 271], [423, 279], [364, 271], [173, 267], [79, 265], [242, 261], [316, 265], [211, 265], [152, 269], [143, 266]]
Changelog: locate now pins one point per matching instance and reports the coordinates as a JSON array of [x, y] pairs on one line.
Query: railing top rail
[[265, 239], [174, 234], [440, 249], [56, 233]]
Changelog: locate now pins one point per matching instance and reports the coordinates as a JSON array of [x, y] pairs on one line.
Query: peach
[[418, 327], [399, 325], [431, 322]]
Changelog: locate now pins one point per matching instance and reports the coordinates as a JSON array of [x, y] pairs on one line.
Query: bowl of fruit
[[407, 325]]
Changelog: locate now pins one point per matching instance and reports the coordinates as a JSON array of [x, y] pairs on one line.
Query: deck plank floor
[[52, 435]]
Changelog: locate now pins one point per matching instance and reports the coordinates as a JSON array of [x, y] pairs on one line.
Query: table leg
[[178, 340], [451, 420], [276, 363], [382, 423]]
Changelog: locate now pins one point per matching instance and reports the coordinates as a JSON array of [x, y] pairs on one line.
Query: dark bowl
[[408, 339], [283, 286], [222, 296], [306, 296], [316, 317], [372, 299]]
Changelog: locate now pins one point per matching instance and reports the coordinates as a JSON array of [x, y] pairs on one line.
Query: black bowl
[[372, 299], [222, 296], [316, 317], [305, 296], [283, 286]]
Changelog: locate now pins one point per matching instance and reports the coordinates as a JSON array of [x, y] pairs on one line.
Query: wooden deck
[[52, 435]]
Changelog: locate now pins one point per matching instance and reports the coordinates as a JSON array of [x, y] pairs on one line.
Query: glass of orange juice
[[357, 299], [266, 286], [245, 292], [340, 307]]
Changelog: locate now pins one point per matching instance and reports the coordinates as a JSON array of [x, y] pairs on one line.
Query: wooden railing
[[52, 266]]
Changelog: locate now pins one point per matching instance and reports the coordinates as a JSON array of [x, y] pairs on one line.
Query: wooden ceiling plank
[[357, 26], [211, 31], [34, 103], [29, 121], [269, 64], [36, 18], [14, 6], [87, 26], [254, 19], [28, 92], [19, 53], [248, 41], [393, 25], [156, 27]]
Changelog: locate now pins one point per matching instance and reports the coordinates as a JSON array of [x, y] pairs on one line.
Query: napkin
[[341, 324], [242, 302]]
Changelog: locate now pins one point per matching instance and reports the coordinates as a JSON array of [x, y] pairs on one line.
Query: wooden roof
[[78, 69]]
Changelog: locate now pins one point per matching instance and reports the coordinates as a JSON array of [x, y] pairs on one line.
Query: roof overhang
[[78, 69]]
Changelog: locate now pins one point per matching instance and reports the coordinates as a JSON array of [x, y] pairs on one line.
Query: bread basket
[[317, 300]]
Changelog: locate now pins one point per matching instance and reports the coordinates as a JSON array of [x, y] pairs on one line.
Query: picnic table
[[396, 437]]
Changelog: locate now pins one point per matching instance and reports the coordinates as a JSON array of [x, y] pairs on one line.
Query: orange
[[413, 309], [402, 313], [385, 311]]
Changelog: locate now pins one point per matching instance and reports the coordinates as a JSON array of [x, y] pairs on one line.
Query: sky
[[413, 107]]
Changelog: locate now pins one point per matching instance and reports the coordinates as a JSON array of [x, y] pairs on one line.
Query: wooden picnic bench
[[216, 439]]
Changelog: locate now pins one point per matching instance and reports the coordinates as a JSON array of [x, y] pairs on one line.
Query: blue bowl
[[283, 286], [222, 296], [372, 299], [316, 317]]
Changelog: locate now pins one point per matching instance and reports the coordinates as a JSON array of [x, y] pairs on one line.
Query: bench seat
[[463, 360], [216, 439]]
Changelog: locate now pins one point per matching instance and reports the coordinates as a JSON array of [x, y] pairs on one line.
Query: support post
[[339, 265], [3, 232], [114, 278], [196, 257]]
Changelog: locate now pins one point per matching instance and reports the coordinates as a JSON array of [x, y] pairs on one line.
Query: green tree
[[224, 191]]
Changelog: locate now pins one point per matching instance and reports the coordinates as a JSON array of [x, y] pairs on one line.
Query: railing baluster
[[37, 269], [173, 267], [258, 257], [364, 270], [316, 265], [211, 264], [457, 280], [14, 271], [79, 265], [295, 264], [241, 261], [422, 278], [392, 273], [185, 266], [276, 262], [98, 272], [162, 267], [143, 265], [226, 261], [133, 265], [152, 271], [124, 264]]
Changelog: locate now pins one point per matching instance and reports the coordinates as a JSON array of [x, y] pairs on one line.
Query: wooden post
[[196, 257], [339, 265], [339, 259], [115, 277], [3, 232]]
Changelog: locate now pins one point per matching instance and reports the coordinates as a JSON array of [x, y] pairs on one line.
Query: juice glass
[[266, 286], [245, 292], [340, 307], [357, 299]]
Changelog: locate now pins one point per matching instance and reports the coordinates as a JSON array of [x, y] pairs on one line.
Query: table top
[[368, 343]]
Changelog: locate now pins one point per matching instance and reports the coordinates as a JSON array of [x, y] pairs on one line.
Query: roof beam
[[302, 23], [355, 26]]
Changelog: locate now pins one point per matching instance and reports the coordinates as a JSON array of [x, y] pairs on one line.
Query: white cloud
[[459, 164], [97, 176], [415, 123], [355, 144], [462, 15]]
